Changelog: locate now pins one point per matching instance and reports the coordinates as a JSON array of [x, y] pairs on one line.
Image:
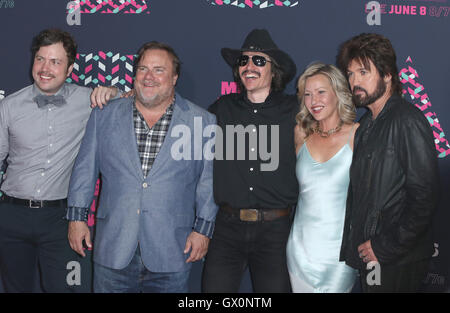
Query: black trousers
[[34, 247], [405, 278], [259, 245]]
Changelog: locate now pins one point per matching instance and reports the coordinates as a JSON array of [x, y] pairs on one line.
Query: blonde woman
[[324, 145]]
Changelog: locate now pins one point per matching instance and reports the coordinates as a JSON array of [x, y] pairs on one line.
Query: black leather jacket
[[394, 186]]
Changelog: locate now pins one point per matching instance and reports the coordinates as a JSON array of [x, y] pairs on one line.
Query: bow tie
[[43, 100]]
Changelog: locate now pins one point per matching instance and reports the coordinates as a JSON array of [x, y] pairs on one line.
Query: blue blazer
[[157, 212]]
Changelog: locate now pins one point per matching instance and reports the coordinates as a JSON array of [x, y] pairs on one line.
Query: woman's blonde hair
[[345, 107]]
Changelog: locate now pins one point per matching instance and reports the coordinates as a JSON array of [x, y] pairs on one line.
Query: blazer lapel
[[128, 135], [178, 117]]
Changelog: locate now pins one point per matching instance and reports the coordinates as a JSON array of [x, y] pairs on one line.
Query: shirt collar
[[64, 91], [140, 117], [272, 99]]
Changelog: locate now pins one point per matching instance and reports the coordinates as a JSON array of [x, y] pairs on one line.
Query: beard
[[364, 101], [155, 100]]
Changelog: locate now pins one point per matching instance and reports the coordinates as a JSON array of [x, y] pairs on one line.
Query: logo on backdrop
[[77, 7], [6, 4], [103, 68], [419, 97], [110, 6], [411, 8], [254, 4]]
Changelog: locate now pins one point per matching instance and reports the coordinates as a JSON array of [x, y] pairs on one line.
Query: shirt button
[[255, 111], [48, 161], [50, 127], [138, 211], [251, 188], [251, 169], [252, 149], [145, 185], [39, 190], [42, 174], [254, 130], [51, 145]]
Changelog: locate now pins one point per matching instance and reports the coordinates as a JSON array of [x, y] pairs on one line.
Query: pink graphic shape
[[115, 69], [419, 97], [128, 78], [101, 78], [88, 69], [74, 77]]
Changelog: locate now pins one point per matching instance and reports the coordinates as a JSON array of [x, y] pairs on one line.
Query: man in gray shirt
[[41, 127]]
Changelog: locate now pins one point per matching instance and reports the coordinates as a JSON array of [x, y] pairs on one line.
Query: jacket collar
[[387, 107]]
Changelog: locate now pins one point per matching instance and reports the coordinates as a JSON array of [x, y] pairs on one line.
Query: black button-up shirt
[[247, 177]]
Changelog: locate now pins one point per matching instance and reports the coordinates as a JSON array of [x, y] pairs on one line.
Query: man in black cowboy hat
[[253, 223]]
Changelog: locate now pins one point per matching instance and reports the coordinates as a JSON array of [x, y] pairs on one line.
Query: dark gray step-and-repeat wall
[[109, 34]]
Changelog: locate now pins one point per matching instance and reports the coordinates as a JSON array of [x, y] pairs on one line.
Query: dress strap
[[350, 135]]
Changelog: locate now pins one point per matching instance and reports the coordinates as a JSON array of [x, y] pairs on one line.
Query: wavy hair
[[345, 107]]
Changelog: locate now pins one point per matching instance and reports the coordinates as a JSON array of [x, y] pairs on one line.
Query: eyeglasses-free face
[[258, 60]]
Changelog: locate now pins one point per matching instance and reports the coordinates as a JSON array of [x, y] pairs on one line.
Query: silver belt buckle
[[30, 204]]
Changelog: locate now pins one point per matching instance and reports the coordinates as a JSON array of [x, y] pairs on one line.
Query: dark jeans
[[136, 278], [259, 245], [395, 278], [34, 242]]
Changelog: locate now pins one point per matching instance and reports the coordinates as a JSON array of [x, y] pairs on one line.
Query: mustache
[[356, 88], [251, 72], [151, 82], [46, 74]]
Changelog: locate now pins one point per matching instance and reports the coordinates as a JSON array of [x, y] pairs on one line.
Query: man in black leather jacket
[[394, 176]]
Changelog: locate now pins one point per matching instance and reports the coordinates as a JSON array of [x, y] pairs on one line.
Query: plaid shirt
[[150, 140]]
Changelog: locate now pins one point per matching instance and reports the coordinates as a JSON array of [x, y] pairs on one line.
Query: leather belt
[[34, 204], [255, 215]]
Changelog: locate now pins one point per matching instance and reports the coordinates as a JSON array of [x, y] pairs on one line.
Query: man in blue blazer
[[156, 203]]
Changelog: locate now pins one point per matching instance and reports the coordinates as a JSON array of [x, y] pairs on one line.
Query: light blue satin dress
[[315, 240]]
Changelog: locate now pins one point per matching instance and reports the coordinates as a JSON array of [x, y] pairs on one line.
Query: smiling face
[[257, 80], [320, 98], [50, 68], [155, 79]]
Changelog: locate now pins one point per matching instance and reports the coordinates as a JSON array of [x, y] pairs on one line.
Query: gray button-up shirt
[[41, 143]]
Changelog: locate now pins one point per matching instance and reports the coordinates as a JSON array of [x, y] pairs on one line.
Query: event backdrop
[[109, 34]]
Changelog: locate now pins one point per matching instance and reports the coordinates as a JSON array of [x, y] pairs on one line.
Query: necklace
[[328, 133]]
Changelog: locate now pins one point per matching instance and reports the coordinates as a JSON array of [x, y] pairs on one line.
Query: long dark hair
[[373, 47]]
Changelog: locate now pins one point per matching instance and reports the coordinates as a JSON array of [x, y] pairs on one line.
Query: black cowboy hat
[[259, 40]]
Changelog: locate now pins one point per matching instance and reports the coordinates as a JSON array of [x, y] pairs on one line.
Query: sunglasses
[[258, 60]]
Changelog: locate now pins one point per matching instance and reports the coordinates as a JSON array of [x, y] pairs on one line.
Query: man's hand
[[198, 244], [79, 231], [128, 94], [101, 95], [366, 253]]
